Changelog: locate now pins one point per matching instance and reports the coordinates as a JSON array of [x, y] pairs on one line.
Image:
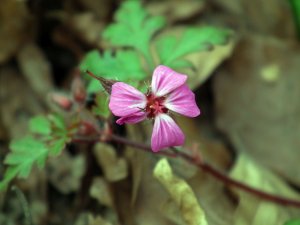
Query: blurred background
[[248, 90]]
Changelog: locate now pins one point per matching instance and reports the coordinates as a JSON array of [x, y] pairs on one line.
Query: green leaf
[[134, 27], [293, 222], [24, 154], [56, 146], [123, 66], [9, 175], [40, 125], [94, 86], [170, 48], [58, 122], [60, 136], [101, 107]]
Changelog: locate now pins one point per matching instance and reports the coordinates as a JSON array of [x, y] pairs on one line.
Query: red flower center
[[155, 105]]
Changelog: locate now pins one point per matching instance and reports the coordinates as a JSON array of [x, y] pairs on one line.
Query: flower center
[[155, 105]]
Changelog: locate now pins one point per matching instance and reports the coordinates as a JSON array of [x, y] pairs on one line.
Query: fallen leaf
[[65, 172], [246, 15], [17, 102], [206, 63], [252, 210], [176, 10], [36, 68], [87, 27], [101, 9], [14, 32], [181, 193], [261, 117], [89, 219], [100, 191], [114, 168]]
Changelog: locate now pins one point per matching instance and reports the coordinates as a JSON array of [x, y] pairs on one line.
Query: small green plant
[[48, 137], [136, 45]]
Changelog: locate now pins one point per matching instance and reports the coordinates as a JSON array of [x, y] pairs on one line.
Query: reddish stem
[[93, 75], [206, 168], [231, 182]]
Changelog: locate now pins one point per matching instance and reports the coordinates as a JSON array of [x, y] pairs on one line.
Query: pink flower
[[168, 93]]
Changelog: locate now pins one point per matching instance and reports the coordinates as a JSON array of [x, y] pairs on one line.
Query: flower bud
[[78, 89], [106, 83], [61, 100]]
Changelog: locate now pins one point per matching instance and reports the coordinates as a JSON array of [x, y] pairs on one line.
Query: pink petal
[[165, 133], [165, 80], [182, 100], [126, 100], [134, 118]]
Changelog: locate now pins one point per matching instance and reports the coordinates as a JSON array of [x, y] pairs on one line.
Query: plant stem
[[215, 173], [24, 204], [205, 167]]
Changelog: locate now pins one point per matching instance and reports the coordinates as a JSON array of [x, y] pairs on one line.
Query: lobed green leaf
[[56, 146], [24, 154], [123, 66], [58, 122], [101, 107], [170, 48], [29, 151], [134, 27], [40, 125]]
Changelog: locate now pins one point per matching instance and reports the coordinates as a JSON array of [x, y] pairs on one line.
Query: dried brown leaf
[[16, 27], [87, 26], [250, 14], [181, 193], [257, 102], [255, 211], [100, 191], [176, 10], [114, 168], [89, 219], [17, 102], [36, 68], [65, 172]]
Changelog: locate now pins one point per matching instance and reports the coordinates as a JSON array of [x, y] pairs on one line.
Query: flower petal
[[165, 133], [165, 80], [126, 100], [134, 118], [182, 100]]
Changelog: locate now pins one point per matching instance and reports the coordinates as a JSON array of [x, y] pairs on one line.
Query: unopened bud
[[78, 89], [106, 83], [86, 128], [61, 100]]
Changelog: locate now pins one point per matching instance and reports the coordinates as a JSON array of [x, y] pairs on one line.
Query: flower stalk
[[205, 167]]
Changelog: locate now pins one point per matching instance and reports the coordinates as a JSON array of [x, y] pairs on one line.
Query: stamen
[[155, 105]]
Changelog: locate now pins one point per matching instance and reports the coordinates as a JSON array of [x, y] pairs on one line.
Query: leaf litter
[[251, 75]]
